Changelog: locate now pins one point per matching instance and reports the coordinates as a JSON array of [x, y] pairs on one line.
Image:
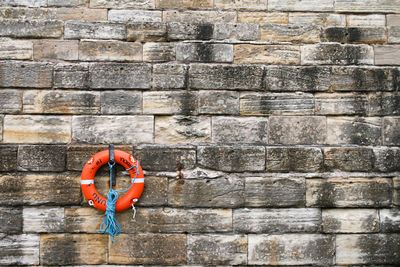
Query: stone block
[[193, 4], [232, 158], [230, 77], [387, 159], [10, 101], [124, 16], [387, 55], [55, 49], [276, 104], [140, 4], [355, 35], [241, 5], [389, 220], [350, 220], [26, 74], [146, 31], [199, 16], [70, 249], [275, 192], [8, 158], [26, 13], [349, 192], [19, 249], [159, 249], [291, 130], [110, 51], [162, 158], [357, 131], [276, 220], [341, 104], [336, 54], [120, 76], [61, 102], [94, 30], [74, 76], [321, 19], [204, 52], [78, 155], [27, 3], [374, 20], [293, 79], [37, 129], [394, 34], [42, 158], [121, 102], [238, 130], [393, 20], [367, 6], [169, 76], [190, 31], [291, 249], [237, 31], [218, 102], [267, 54], [299, 5], [349, 159], [290, 33], [31, 28], [294, 159], [82, 14], [117, 130], [82, 220], [391, 128], [364, 79], [159, 52], [224, 192], [171, 220], [61, 3], [367, 248], [40, 189], [263, 17], [182, 129], [15, 49], [155, 192], [11, 220], [217, 249], [43, 220]]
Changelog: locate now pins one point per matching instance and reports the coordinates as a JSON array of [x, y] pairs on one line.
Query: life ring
[[129, 163]]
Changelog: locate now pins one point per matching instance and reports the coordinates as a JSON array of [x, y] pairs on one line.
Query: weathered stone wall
[[269, 130]]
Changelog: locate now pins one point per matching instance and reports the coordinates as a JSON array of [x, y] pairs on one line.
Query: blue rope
[[110, 224]]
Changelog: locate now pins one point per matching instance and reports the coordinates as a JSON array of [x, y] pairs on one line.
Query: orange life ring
[[129, 163]]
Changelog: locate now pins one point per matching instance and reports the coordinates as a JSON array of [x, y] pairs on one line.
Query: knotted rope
[[110, 224]]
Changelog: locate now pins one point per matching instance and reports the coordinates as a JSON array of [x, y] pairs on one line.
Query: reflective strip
[[138, 180], [87, 181]]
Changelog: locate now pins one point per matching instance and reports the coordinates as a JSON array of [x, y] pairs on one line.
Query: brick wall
[[282, 115]]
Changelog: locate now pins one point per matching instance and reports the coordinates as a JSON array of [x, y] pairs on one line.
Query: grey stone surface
[[298, 5], [94, 30], [146, 31], [276, 104], [384, 104], [8, 158], [350, 220], [19, 249], [11, 220], [236, 130], [231, 77], [31, 28], [391, 131], [276, 220], [120, 76], [236, 31], [74, 76], [287, 159], [170, 102], [169, 76], [10, 101], [218, 102], [387, 159], [43, 220], [48, 158], [290, 33], [360, 159], [204, 52], [26, 74], [217, 249], [341, 104], [232, 158], [159, 52], [224, 192], [124, 16], [350, 192], [190, 31], [355, 35], [121, 102], [291, 249], [275, 192], [117, 129], [166, 158], [290, 130], [15, 49], [389, 220]]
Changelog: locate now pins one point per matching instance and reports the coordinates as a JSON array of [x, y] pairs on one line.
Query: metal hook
[[91, 203], [134, 211]]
